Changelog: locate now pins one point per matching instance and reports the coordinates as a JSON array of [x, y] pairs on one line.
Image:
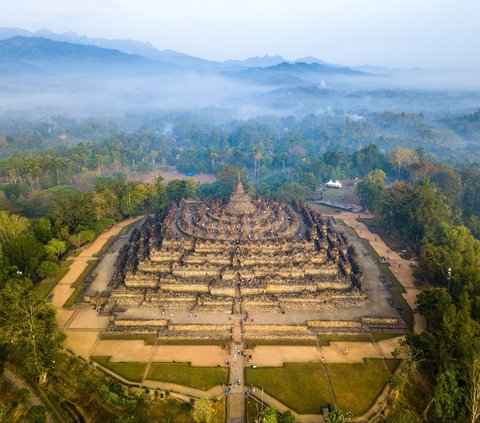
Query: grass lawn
[[397, 289], [151, 339], [392, 243], [106, 246], [325, 340], [148, 338], [79, 284], [253, 342], [221, 342], [357, 385], [132, 371], [380, 336], [46, 285], [202, 378], [301, 386]]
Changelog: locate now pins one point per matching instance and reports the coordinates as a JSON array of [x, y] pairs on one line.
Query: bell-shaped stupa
[[239, 202]]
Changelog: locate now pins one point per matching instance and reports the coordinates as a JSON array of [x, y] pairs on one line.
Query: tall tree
[[371, 188], [28, 324]]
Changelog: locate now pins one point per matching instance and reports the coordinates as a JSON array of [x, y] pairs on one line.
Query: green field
[[304, 388], [132, 371], [202, 378], [356, 386], [253, 342], [325, 340]]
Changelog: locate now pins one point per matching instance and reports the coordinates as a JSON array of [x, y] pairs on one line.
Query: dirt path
[[63, 290], [82, 326], [18, 383]]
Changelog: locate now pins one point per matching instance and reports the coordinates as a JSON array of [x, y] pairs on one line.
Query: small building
[[331, 184]]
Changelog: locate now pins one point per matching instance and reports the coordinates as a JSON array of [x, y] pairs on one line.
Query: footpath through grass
[[304, 388], [357, 385], [202, 378]]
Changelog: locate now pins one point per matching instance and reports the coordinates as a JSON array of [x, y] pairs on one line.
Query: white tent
[[336, 184]]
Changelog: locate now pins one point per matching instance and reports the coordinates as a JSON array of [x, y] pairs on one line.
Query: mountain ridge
[[147, 50]]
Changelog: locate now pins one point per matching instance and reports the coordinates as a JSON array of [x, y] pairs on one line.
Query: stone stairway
[[236, 412]]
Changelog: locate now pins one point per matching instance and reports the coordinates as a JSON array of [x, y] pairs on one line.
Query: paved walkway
[[83, 325], [236, 405], [18, 383], [401, 268], [63, 290]]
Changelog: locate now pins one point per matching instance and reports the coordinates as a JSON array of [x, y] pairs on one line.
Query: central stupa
[[239, 202]]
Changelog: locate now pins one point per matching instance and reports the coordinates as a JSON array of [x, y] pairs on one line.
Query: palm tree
[[257, 155]]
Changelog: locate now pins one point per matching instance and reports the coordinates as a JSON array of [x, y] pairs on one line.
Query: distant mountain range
[[297, 73], [46, 53], [148, 51], [36, 54]]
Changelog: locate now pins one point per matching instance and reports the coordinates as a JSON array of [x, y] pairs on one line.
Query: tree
[[288, 417], [401, 157], [11, 225], [447, 397], [452, 247], [367, 159], [73, 210], [28, 324], [290, 191], [182, 188], [55, 248], [36, 414], [82, 238], [450, 183], [432, 303], [43, 229], [133, 199], [229, 175], [268, 415], [257, 155], [25, 252], [203, 411], [473, 387], [47, 268], [335, 416], [371, 188], [157, 197]]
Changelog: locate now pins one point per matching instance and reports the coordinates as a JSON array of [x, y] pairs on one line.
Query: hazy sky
[[395, 33]]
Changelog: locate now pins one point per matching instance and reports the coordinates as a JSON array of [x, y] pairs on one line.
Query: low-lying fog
[[91, 95]]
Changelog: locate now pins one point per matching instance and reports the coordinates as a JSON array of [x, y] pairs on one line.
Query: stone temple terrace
[[192, 270]]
